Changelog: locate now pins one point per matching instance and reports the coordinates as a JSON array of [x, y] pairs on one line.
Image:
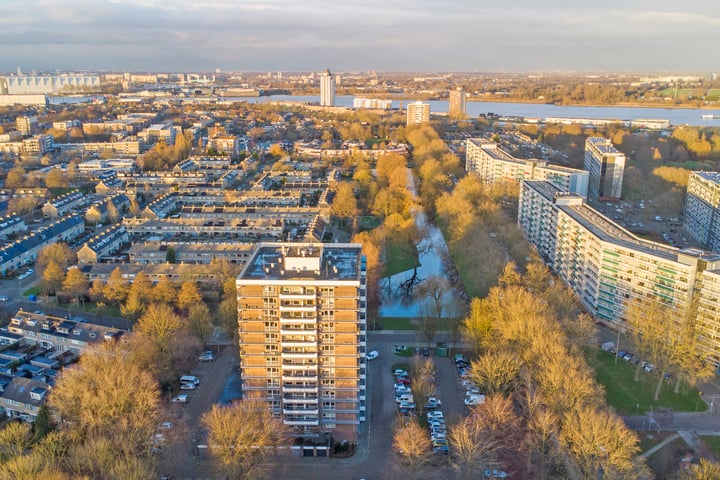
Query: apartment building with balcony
[[492, 164], [606, 166], [608, 267], [417, 113], [701, 219], [302, 333]]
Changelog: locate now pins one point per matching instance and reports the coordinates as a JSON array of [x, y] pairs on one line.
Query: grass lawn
[[109, 310], [375, 141], [406, 323], [33, 291], [713, 444], [407, 353], [629, 397], [399, 257], [368, 222], [649, 439]]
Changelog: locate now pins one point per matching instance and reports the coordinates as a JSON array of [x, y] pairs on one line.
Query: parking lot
[[179, 457]]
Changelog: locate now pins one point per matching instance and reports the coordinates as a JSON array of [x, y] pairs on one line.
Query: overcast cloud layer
[[390, 35]]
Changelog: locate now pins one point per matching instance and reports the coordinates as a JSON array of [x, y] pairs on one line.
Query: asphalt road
[[181, 458]]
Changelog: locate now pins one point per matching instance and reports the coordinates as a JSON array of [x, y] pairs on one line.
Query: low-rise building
[[108, 241], [11, 225], [62, 205], [190, 252], [25, 250]]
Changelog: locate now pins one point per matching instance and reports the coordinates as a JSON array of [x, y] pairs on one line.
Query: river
[[677, 116], [433, 248]]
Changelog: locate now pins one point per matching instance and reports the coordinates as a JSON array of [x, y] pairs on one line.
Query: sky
[[351, 35]]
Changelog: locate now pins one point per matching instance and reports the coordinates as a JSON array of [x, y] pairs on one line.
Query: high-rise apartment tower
[[302, 332]]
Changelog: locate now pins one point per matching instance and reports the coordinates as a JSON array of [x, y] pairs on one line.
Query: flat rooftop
[[604, 228], [709, 176], [603, 145], [304, 261]]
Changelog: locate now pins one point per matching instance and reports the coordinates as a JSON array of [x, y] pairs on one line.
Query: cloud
[[399, 35]]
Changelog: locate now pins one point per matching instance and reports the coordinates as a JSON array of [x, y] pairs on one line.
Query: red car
[[403, 381]]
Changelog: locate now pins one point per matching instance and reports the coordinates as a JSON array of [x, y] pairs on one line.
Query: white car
[[372, 355], [435, 415], [475, 400], [207, 356], [187, 386], [180, 399]]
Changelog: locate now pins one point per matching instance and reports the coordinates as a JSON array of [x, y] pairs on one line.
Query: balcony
[[293, 411], [298, 321], [299, 331], [297, 296], [299, 355], [298, 308], [307, 388], [298, 343], [307, 422], [300, 366], [300, 398], [298, 377]]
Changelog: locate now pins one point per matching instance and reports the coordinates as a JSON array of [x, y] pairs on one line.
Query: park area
[[629, 397]]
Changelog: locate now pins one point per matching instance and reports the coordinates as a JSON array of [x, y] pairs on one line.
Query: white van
[[191, 379]]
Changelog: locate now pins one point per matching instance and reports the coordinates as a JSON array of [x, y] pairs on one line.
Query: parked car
[[433, 404], [435, 415], [4, 298], [441, 450], [187, 386], [207, 356], [180, 399], [372, 355], [495, 474], [399, 372], [425, 352], [475, 400]]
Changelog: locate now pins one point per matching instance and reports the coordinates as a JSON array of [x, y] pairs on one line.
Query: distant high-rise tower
[[606, 166], [457, 103], [327, 89], [418, 112]]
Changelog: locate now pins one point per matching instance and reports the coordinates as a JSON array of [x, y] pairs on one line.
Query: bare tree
[[496, 371], [597, 440], [106, 396], [242, 437], [423, 386], [412, 444]]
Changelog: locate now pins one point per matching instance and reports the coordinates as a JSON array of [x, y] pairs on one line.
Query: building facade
[[302, 330], [26, 84], [702, 209], [607, 267], [493, 164], [327, 89], [606, 166], [417, 113], [456, 103]]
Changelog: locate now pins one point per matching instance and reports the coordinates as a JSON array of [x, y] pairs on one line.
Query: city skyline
[[155, 35]]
